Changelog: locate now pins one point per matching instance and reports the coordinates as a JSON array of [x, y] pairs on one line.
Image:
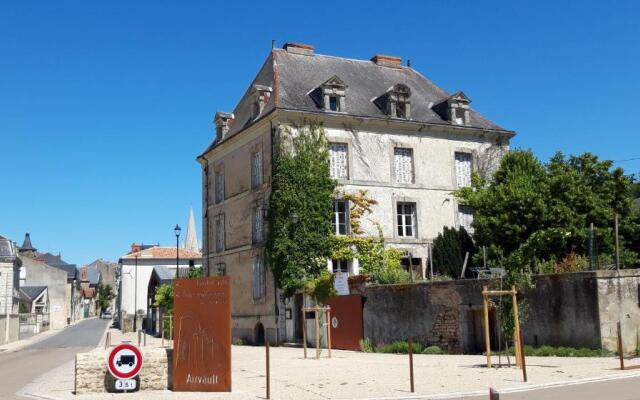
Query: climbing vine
[[299, 238]]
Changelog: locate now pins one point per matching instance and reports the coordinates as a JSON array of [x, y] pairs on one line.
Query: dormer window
[[395, 102], [334, 103], [261, 95], [455, 109], [223, 122], [330, 96]]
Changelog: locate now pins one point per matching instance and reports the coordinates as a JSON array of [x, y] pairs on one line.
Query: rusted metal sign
[[346, 322], [202, 335]]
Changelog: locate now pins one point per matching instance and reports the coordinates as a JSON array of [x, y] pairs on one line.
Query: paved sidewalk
[[353, 375], [21, 344]]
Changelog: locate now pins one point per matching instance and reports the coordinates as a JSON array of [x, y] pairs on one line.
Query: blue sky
[[105, 105]]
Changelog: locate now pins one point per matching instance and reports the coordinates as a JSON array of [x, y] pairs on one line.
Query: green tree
[[105, 296], [544, 211], [299, 238], [164, 297], [449, 250]]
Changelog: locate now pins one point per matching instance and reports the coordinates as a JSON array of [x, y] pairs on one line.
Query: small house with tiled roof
[[136, 267], [391, 131]]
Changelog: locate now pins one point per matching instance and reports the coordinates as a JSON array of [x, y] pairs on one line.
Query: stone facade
[[92, 375], [376, 112]]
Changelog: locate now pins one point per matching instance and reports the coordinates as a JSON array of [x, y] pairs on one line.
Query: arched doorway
[[258, 334]]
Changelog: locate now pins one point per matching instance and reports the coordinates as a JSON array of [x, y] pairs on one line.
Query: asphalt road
[[19, 368]]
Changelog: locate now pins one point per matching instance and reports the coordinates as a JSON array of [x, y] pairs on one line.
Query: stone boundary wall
[[14, 328], [92, 375], [578, 309]]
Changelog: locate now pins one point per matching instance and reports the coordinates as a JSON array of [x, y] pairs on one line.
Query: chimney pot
[[387, 61], [298, 48]]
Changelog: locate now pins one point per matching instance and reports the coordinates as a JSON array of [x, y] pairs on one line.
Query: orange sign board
[[202, 335]]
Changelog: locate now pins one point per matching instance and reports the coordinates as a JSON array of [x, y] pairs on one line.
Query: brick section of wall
[[445, 331], [92, 375]]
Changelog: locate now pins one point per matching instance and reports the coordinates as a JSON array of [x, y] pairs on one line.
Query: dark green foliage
[[300, 232], [399, 347], [550, 351], [195, 272], [545, 210], [105, 295], [449, 249]]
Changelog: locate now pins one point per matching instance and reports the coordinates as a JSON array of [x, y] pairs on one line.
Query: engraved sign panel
[[202, 335]]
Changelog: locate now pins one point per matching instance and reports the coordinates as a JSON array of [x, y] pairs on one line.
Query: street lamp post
[[177, 230], [135, 297]]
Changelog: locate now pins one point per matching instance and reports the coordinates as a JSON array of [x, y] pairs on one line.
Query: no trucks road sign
[[125, 361]]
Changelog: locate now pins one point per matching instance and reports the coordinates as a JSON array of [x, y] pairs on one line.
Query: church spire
[[191, 240]]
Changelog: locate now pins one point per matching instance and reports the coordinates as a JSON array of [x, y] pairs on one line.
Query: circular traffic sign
[[125, 361]]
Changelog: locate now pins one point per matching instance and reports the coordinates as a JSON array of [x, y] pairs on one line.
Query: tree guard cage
[[327, 318], [486, 294]]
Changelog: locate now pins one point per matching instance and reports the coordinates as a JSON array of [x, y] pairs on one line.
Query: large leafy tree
[[105, 296], [300, 232], [544, 211]]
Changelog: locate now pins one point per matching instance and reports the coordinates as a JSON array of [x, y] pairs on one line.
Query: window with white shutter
[[258, 225], [338, 160], [406, 219], [219, 186], [256, 169], [403, 164], [465, 217], [258, 279], [463, 169]]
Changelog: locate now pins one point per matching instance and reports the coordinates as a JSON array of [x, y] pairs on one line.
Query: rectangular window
[[401, 109], [334, 103], [340, 266], [221, 269], [406, 214], [256, 169], [258, 225], [338, 160], [220, 234], [463, 169], [465, 217], [340, 217], [403, 163], [219, 186], [258, 279]]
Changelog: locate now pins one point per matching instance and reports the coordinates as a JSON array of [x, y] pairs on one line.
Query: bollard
[[493, 394], [139, 338], [268, 370], [411, 364], [620, 349]]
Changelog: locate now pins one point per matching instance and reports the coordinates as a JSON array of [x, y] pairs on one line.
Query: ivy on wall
[[300, 232]]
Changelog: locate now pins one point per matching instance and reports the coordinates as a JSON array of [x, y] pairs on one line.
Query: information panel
[[202, 335]]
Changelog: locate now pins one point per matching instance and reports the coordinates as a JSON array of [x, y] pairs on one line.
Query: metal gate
[[347, 327]]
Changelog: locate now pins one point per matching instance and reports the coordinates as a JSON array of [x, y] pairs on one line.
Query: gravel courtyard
[[354, 375]]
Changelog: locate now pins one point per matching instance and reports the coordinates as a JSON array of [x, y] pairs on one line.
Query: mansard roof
[[294, 76]]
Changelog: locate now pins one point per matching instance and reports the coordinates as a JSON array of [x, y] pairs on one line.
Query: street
[[19, 368]]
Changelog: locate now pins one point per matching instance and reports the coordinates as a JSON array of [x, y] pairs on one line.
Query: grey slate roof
[[58, 262], [167, 275], [93, 275], [31, 292], [294, 76]]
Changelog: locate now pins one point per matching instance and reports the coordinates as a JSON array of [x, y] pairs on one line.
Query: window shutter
[[403, 165], [463, 169], [339, 166]]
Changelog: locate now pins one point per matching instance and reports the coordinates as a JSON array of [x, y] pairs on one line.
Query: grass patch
[[550, 351]]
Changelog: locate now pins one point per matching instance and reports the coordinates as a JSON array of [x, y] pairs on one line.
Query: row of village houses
[[40, 291]]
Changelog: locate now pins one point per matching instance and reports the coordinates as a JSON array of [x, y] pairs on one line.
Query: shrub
[[544, 351], [399, 347], [366, 346], [432, 350]]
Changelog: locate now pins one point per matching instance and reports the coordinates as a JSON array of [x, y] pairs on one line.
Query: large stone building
[[392, 132]]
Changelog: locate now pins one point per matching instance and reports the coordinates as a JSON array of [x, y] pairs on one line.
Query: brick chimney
[[387, 61], [299, 48]]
